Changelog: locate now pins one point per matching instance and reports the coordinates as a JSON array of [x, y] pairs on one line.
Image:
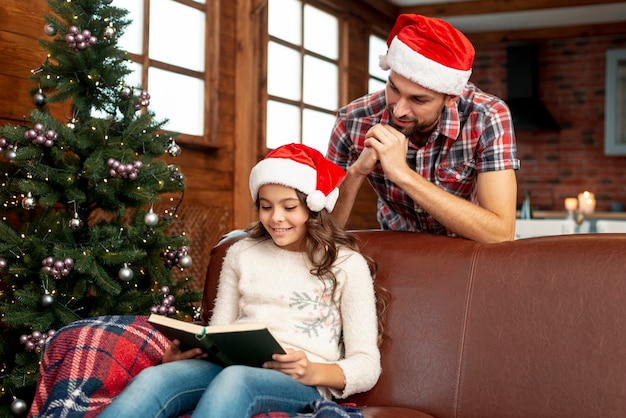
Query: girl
[[303, 276]]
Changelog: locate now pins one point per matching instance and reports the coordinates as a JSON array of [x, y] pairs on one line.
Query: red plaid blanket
[[89, 362]]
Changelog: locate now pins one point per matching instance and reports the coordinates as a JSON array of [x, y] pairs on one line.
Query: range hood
[[528, 111]]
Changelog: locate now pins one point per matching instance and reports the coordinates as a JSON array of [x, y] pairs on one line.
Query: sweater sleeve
[[226, 308], [361, 364]]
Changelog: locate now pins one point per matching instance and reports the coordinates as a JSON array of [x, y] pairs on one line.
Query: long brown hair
[[322, 243]]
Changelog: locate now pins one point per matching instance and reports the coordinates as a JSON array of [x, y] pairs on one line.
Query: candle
[[571, 203], [586, 202]]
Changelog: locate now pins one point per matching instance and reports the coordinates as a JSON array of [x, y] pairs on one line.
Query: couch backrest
[[528, 328]]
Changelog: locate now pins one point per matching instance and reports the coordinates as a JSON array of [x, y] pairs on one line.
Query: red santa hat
[[430, 52], [302, 168]]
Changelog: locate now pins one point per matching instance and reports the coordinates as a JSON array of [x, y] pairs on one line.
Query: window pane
[[284, 20], [375, 85], [132, 38], [177, 34], [283, 71], [283, 124], [321, 32], [320, 83], [316, 129], [377, 47], [179, 98]]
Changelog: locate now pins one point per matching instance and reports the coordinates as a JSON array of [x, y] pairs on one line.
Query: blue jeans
[[208, 390]]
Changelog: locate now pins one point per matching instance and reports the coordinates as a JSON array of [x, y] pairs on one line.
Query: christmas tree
[[81, 234]]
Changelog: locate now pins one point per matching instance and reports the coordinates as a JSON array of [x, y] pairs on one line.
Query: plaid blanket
[[89, 362]]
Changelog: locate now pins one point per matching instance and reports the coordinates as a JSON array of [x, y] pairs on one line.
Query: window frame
[[210, 75], [340, 62]]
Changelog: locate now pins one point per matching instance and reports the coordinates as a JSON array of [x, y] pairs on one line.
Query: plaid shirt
[[477, 136]]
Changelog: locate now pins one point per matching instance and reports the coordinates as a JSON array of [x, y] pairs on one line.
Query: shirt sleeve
[[497, 142]]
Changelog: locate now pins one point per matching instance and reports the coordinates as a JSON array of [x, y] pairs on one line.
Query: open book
[[246, 344]]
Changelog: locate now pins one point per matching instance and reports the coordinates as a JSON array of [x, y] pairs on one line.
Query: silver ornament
[[75, 222], [151, 218], [185, 261], [126, 91], [18, 406], [39, 98], [28, 202], [125, 273], [47, 299], [110, 32], [50, 30], [11, 154], [174, 150]]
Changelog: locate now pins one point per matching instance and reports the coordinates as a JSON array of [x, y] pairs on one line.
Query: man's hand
[[390, 145], [174, 353]]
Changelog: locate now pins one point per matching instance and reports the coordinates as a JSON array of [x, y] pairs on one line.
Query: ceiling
[[472, 16]]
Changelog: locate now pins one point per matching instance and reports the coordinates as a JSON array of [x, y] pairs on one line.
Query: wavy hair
[[322, 243]]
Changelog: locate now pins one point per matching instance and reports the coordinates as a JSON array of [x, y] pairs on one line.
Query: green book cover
[[245, 344]]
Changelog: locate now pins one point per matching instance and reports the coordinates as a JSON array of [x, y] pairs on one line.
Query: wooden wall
[[217, 178]]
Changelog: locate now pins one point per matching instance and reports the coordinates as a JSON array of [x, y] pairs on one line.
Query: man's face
[[414, 109]]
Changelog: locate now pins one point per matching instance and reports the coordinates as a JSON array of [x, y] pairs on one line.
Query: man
[[439, 152]]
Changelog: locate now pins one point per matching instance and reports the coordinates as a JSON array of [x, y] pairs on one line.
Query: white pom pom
[[316, 200]]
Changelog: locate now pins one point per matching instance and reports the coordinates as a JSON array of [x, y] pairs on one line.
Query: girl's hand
[[296, 365], [174, 353]]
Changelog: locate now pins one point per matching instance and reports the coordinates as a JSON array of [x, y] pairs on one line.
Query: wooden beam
[[476, 7], [547, 33]]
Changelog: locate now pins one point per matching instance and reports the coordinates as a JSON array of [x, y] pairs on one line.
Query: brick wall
[[556, 165]]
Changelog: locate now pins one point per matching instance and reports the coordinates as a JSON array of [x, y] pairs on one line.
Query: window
[[171, 64], [377, 76], [302, 74]]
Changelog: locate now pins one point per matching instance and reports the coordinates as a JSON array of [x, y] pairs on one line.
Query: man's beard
[[417, 128]]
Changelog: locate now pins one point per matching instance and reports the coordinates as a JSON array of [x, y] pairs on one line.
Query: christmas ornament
[[39, 98], [11, 154], [57, 268], [28, 202], [38, 137], [75, 223], [109, 32], [144, 100], [174, 150], [47, 299], [185, 261], [78, 39], [36, 340], [18, 406], [176, 174], [129, 171], [178, 257], [125, 273], [49, 29], [151, 218], [3, 262], [126, 91], [167, 305]]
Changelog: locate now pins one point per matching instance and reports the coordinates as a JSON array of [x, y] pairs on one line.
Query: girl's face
[[283, 215]]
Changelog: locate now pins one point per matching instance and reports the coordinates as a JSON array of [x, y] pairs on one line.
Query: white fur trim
[[407, 62], [282, 171]]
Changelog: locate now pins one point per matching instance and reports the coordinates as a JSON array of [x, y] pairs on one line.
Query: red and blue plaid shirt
[[477, 136]]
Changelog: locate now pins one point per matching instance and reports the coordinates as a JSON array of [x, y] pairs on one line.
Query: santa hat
[[302, 168], [430, 52]]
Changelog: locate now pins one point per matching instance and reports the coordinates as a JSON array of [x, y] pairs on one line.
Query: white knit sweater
[[261, 282]]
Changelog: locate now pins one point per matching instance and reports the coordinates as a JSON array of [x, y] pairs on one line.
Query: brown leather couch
[[530, 328]]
